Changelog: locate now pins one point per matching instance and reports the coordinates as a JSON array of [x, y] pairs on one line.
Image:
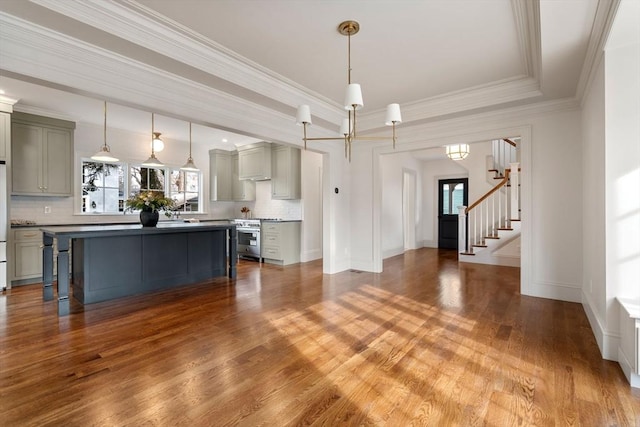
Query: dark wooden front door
[[451, 194]]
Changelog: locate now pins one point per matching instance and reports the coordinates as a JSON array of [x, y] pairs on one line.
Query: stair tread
[[505, 229], [467, 253], [479, 246], [492, 237]]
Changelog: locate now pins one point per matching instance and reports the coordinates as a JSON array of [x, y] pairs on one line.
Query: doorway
[[452, 193]]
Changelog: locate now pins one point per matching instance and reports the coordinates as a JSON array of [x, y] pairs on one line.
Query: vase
[[149, 219]]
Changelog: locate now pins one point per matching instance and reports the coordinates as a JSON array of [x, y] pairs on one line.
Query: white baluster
[[515, 191], [462, 229]]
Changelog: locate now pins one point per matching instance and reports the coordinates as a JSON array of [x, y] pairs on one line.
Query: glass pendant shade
[[353, 97], [158, 144], [303, 115], [189, 166], [393, 115], [457, 151], [104, 154]]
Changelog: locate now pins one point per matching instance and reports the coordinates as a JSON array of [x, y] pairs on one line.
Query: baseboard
[[557, 291], [627, 368], [392, 252], [608, 342], [311, 255]]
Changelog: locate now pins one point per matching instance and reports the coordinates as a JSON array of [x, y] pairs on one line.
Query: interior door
[[452, 193]]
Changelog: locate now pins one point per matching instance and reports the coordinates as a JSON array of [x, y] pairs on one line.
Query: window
[[452, 197], [182, 186], [103, 188], [185, 190], [145, 179]]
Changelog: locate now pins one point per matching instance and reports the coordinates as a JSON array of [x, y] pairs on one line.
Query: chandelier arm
[[325, 139]]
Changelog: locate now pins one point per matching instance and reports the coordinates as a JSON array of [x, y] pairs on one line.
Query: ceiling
[[239, 68]]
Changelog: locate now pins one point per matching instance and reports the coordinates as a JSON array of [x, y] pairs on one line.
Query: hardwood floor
[[427, 342]]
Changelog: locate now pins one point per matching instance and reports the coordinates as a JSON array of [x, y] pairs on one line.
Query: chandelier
[[353, 102]]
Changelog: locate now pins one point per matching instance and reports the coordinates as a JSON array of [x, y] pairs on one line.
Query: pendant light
[[104, 155], [189, 166], [153, 161]]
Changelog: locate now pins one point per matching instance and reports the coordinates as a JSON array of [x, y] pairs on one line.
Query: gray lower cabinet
[[41, 156], [26, 265], [280, 242]]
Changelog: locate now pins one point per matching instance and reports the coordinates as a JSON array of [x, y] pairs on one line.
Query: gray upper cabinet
[[5, 135], [243, 189], [220, 184], [255, 161], [41, 156], [285, 172]]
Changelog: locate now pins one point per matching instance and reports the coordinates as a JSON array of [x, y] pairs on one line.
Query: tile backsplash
[[61, 209]]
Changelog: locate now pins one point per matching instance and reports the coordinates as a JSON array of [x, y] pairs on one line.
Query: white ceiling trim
[[527, 17], [605, 14], [142, 26], [422, 132], [496, 93], [40, 53], [136, 23]]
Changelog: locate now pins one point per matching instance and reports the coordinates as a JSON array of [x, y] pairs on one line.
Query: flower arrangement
[[245, 211], [150, 201]]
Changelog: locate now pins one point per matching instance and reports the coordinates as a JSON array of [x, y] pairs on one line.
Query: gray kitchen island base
[[116, 261]]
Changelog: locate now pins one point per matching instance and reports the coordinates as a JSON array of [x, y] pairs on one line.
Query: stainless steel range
[[248, 238]]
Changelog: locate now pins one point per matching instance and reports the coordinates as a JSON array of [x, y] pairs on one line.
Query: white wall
[[311, 206], [593, 207], [622, 165], [476, 166], [392, 169]]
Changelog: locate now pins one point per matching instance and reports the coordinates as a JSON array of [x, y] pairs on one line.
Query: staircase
[[489, 229]]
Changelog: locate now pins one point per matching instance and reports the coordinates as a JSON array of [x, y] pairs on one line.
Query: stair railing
[[504, 152], [494, 211]]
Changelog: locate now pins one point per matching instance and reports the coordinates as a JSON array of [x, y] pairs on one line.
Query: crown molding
[[142, 26], [29, 109], [509, 90], [602, 23], [414, 134], [6, 104], [527, 18]]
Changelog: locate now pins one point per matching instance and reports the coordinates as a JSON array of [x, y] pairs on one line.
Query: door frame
[[465, 202]]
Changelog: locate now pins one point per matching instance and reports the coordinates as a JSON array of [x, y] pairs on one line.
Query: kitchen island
[[113, 261]]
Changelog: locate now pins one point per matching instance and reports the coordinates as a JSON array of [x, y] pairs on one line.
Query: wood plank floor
[[427, 342]]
